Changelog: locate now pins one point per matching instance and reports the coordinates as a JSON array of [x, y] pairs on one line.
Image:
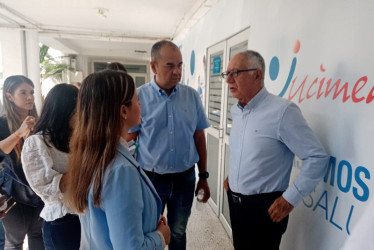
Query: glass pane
[[240, 47], [225, 207], [139, 81], [1, 80], [98, 66], [230, 99], [131, 68], [136, 68], [215, 89], [212, 165]]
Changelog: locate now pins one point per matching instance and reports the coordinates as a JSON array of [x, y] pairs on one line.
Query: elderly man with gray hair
[[267, 132]]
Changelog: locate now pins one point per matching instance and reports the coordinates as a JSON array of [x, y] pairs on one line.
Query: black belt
[[169, 176], [255, 198]]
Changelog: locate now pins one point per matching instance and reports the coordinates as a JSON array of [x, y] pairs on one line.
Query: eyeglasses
[[234, 73]]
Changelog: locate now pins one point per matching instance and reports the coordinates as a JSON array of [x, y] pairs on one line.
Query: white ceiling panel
[[77, 27]]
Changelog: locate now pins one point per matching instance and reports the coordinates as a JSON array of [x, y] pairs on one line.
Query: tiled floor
[[205, 231]]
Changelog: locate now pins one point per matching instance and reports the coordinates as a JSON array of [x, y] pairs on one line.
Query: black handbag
[[11, 185]]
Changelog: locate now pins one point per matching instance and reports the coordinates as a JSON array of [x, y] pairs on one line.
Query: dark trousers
[[251, 225], [176, 192], [2, 235], [21, 220], [63, 233]]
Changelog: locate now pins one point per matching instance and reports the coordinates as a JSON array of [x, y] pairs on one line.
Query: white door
[[215, 106], [218, 104]]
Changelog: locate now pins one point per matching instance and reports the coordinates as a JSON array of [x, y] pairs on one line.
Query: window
[[1, 80], [137, 71]]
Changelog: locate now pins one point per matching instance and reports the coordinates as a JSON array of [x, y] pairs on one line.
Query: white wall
[[33, 65], [336, 42], [11, 52], [17, 62]]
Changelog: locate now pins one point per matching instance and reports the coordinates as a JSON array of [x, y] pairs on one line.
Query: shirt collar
[[124, 143], [159, 90], [255, 100]]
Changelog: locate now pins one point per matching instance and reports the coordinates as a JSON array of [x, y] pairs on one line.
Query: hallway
[[205, 231]]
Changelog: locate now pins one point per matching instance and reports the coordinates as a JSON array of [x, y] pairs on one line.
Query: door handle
[[220, 131], [217, 127]]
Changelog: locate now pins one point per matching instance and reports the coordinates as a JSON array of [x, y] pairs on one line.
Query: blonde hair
[[95, 139], [13, 118]]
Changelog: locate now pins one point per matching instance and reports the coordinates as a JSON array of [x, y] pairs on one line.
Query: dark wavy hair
[[58, 109]]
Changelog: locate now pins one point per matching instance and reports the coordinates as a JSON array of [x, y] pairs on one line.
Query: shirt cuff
[[293, 196], [162, 239]]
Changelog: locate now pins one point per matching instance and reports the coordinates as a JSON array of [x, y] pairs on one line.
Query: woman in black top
[[18, 120]]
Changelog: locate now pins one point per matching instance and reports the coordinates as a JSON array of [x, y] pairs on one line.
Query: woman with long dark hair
[[45, 160], [18, 120], [120, 207]]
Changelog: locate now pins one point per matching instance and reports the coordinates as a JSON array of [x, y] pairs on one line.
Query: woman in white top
[[45, 160]]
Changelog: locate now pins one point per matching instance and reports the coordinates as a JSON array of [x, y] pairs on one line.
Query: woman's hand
[[62, 183], [11, 141], [164, 229], [27, 125]]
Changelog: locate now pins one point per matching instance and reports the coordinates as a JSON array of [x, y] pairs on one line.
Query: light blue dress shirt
[[129, 213], [265, 136], [166, 143]]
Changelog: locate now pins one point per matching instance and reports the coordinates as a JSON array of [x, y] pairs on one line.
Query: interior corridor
[[205, 231]]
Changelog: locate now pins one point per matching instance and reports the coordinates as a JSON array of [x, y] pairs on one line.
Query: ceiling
[[98, 28]]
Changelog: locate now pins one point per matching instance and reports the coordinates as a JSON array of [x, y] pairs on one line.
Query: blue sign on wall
[[216, 65], [192, 62]]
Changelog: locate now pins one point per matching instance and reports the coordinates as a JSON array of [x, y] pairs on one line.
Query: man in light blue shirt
[[267, 131], [171, 139]]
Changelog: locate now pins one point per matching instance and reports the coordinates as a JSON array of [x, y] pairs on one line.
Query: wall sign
[[216, 65], [192, 62]]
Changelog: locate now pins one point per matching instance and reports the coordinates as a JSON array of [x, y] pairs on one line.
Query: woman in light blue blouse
[[119, 206]]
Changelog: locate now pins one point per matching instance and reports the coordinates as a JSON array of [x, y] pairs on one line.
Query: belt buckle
[[236, 199]]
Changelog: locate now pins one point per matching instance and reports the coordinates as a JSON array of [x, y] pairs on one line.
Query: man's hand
[[226, 184], [279, 209], [203, 184]]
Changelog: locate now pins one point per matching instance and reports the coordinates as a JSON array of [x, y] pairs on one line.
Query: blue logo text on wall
[[342, 179], [347, 179]]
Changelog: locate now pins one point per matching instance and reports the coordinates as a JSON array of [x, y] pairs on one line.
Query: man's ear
[[153, 67], [9, 97], [259, 74]]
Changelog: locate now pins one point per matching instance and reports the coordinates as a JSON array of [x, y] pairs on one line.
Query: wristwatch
[[204, 175]]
